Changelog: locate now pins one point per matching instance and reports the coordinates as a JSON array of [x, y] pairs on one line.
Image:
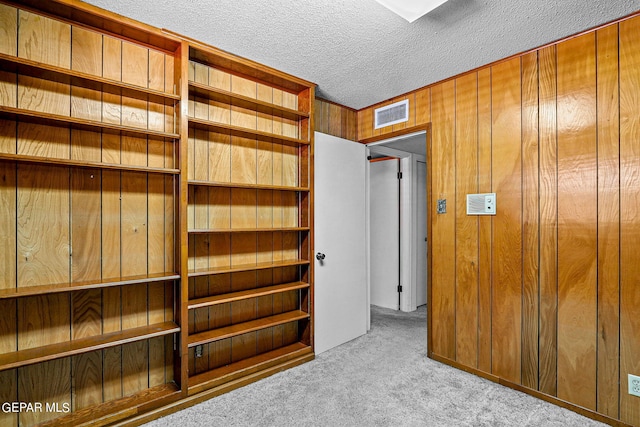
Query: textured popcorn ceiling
[[360, 53]]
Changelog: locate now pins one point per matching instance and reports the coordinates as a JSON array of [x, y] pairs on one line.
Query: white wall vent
[[391, 114], [481, 204]]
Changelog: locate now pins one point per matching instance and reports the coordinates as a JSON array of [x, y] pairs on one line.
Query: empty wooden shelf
[[247, 186], [73, 347], [246, 327], [247, 267], [241, 295], [245, 132]]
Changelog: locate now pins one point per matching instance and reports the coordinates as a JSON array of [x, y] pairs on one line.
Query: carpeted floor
[[381, 379]]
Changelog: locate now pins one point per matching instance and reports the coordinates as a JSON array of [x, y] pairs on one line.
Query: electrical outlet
[[634, 385], [198, 351]]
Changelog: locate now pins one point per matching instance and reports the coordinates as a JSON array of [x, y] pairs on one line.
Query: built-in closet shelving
[[156, 217], [249, 222], [89, 181]]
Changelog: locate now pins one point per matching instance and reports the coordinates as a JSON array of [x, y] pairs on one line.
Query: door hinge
[[399, 175], [399, 288]]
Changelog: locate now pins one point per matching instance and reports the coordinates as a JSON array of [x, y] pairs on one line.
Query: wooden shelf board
[[241, 295], [30, 356], [240, 131], [244, 101], [247, 186], [120, 409], [246, 327], [218, 376], [246, 267], [85, 164], [57, 120], [68, 287], [245, 230], [37, 69]]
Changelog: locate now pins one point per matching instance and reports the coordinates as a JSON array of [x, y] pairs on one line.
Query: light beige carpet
[[381, 379]]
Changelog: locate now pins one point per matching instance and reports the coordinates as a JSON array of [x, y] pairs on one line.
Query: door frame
[[408, 216]]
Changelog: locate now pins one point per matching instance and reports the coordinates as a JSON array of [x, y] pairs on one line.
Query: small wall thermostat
[[481, 204]]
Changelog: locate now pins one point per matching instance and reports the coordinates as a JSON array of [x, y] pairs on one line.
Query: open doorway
[[407, 154]]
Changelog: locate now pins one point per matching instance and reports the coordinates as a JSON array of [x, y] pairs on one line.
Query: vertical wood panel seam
[[619, 236], [555, 53], [597, 263]]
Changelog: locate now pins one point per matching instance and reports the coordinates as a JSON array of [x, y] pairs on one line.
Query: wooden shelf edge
[[84, 164], [68, 287], [109, 412], [84, 345], [85, 76], [244, 131], [241, 100], [247, 267], [241, 295], [246, 186], [246, 327], [57, 119], [233, 371], [245, 230]]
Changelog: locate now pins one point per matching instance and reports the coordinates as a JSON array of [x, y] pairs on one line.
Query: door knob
[[320, 256]]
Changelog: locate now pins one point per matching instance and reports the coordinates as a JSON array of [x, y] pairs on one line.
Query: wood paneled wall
[[546, 293], [336, 120]]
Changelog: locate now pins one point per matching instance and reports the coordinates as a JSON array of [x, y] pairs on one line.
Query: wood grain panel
[[8, 224], [9, 98], [629, 220], [135, 362], [86, 380], [530, 225], [86, 49], [466, 227], [45, 382], [485, 222], [608, 369], [43, 225], [9, 393], [85, 225], [548, 340], [112, 373], [156, 224], [507, 224], [423, 106], [44, 39], [8, 30], [219, 157], [443, 225], [243, 208], [43, 320], [43, 95], [334, 120], [111, 226], [112, 69], [220, 206], [134, 224], [43, 141], [86, 103], [86, 313], [577, 221], [243, 160], [365, 123]]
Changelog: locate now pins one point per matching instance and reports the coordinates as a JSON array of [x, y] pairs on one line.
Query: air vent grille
[[392, 114]]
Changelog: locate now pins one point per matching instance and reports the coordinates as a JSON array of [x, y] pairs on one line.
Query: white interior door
[[421, 291], [385, 233], [340, 279]]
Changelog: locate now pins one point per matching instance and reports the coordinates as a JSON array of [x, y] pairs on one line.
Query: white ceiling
[[359, 52]]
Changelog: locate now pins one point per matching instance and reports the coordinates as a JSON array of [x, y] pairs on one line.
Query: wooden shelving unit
[[156, 217], [89, 214], [249, 220]]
